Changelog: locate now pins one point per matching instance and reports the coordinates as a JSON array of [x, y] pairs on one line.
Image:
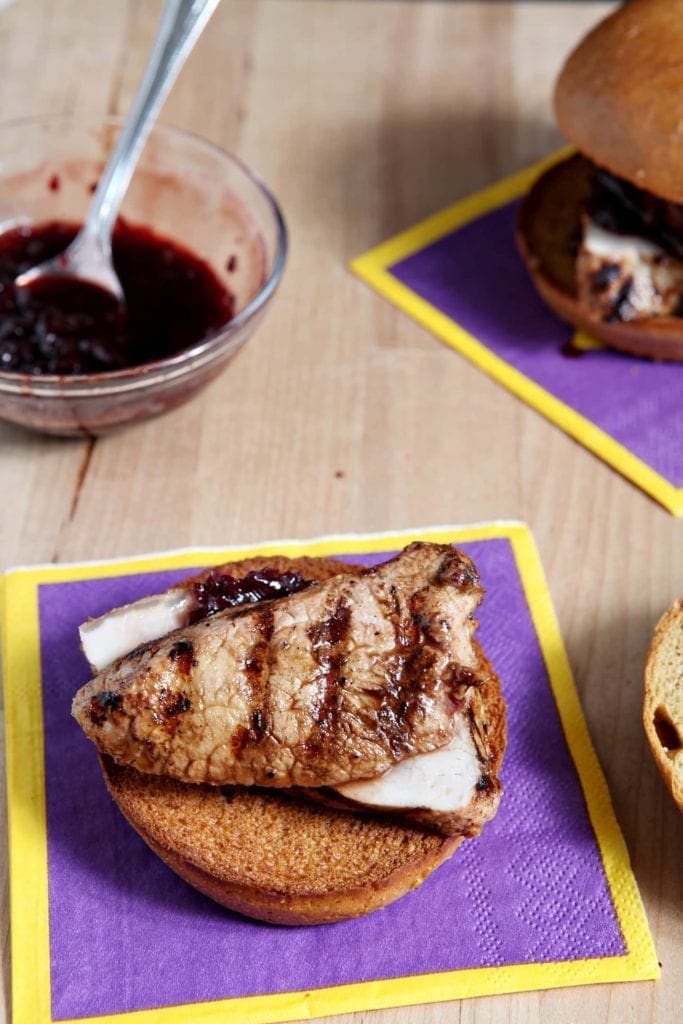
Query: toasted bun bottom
[[273, 857], [663, 701], [547, 229], [278, 858]]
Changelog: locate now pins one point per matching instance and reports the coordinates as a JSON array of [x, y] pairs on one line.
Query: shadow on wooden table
[[25, 438], [390, 172], [608, 661]]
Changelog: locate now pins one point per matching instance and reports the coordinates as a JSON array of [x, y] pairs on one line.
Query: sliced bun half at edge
[[663, 700]]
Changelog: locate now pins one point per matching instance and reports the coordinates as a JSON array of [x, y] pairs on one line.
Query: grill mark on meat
[[182, 653], [460, 574], [603, 277], [417, 664], [407, 669], [164, 705], [170, 704], [255, 667], [329, 644], [622, 304], [239, 740], [460, 679], [418, 638], [101, 704], [258, 724], [257, 659], [359, 672]]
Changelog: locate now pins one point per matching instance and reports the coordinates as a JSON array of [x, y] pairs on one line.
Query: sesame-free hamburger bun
[[602, 231]]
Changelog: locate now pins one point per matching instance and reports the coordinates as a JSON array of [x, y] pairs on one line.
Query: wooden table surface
[[341, 414]]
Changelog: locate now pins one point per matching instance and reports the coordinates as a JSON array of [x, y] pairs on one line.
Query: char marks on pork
[[337, 682]]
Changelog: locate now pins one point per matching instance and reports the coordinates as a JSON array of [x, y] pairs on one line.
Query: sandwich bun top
[[618, 96]]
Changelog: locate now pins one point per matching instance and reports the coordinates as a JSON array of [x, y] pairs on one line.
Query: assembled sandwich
[[602, 231], [311, 738]]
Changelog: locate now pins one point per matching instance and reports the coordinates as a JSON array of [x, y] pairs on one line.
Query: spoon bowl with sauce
[[199, 247], [87, 258]]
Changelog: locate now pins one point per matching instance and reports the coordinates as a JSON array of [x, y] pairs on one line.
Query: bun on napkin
[[663, 703], [602, 232], [310, 757]]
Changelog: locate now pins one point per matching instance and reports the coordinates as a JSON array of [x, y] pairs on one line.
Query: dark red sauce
[[572, 351], [218, 591], [173, 301], [619, 206]]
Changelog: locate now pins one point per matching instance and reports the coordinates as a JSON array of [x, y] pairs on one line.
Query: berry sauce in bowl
[[58, 325], [199, 248]]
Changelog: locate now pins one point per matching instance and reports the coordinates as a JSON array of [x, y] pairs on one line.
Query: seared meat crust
[[483, 722], [337, 682]]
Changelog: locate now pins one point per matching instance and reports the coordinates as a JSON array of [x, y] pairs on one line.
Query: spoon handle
[[181, 24]]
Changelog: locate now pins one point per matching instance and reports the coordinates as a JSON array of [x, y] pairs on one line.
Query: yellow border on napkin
[[27, 819], [373, 268]]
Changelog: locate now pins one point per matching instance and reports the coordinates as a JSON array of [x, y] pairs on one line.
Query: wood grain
[[342, 414]]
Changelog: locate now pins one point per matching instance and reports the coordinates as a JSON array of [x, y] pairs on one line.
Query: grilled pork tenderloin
[[338, 682]]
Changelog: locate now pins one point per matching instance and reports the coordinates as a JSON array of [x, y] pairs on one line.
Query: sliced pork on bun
[[602, 231], [309, 754]]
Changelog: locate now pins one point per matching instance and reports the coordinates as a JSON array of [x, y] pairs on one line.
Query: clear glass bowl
[[184, 188]]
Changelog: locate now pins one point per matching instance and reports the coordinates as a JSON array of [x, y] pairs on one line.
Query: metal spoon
[[88, 257]]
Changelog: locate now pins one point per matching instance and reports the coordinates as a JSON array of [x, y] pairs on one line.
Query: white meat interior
[[625, 277], [441, 780], [122, 630]]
